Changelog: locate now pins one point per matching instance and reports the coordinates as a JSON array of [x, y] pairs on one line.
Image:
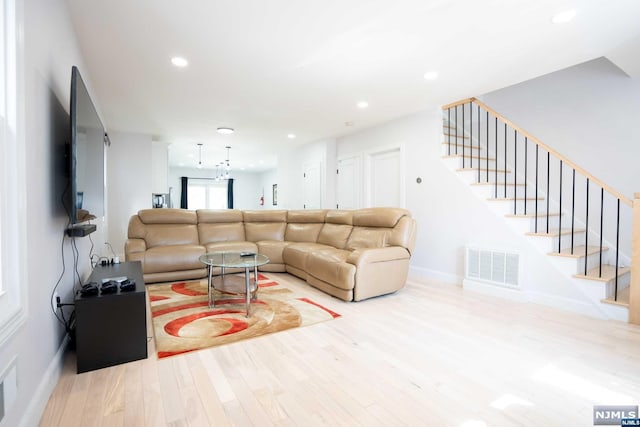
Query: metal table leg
[[247, 285], [212, 303]]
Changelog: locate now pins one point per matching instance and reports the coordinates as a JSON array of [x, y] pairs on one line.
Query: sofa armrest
[[379, 271], [369, 256], [134, 246]]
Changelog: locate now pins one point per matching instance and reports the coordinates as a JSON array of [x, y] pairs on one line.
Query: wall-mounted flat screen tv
[[87, 157]]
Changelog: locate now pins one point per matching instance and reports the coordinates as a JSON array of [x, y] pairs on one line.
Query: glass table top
[[234, 259]]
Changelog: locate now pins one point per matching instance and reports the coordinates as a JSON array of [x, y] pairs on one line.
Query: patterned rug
[[183, 321]]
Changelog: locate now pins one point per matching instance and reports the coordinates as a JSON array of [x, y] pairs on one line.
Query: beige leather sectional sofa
[[352, 255]]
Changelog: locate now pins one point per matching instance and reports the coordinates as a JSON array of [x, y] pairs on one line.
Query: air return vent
[[494, 267]]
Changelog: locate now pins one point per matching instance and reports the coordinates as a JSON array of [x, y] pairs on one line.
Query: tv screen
[[87, 154]]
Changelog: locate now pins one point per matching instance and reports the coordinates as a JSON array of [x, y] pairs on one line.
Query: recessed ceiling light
[[563, 17], [179, 61], [225, 131], [363, 104], [348, 123], [431, 75], [291, 136]]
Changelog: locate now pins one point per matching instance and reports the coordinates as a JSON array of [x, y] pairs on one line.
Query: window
[[206, 194], [12, 181]]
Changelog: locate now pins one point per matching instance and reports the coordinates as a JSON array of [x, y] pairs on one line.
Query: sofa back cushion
[[337, 228], [164, 227], [264, 225], [379, 217], [374, 228], [304, 225], [223, 225], [368, 237], [404, 234]]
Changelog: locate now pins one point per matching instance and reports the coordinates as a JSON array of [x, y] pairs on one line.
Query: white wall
[[50, 50], [588, 112], [450, 216], [266, 181], [290, 174], [129, 183], [159, 167]]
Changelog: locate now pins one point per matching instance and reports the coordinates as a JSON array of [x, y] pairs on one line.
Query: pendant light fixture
[[200, 154], [228, 166]]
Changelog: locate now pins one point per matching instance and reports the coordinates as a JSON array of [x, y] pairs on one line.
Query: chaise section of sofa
[[350, 254]]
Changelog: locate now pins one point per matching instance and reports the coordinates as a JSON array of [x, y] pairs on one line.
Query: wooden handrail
[[454, 104], [634, 286], [530, 137]]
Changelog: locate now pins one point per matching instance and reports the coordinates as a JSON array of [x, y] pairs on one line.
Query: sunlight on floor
[[563, 380], [507, 400]]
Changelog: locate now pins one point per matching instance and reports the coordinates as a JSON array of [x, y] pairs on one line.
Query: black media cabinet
[[112, 328]]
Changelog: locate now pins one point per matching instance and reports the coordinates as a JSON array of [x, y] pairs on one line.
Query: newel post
[[634, 291]]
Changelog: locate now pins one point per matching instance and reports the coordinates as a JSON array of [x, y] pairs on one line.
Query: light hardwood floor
[[428, 355]]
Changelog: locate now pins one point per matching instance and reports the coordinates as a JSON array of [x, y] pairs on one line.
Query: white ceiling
[[272, 67]]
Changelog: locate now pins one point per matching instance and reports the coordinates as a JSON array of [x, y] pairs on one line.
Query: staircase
[[561, 209]]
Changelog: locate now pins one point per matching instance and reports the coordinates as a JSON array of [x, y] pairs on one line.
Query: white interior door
[[349, 183], [312, 185], [384, 177]]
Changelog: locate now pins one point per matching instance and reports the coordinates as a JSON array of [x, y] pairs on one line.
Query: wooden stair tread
[[578, 251], [623, 298], [500, 184], [460, 146], [510, 199], [470, 169], [608, 273], [554, 232], [454, 136], [532, 215], [449, 156]]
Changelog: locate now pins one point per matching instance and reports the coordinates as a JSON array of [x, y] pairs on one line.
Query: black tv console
[[111, 328]]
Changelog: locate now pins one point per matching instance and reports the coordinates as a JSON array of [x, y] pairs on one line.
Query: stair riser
[[623, 283], [506, 206], [565, 241], [576, 265], [550, 244], [489, 191]]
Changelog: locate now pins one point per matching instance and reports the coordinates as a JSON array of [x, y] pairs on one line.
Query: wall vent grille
[[492, 266]]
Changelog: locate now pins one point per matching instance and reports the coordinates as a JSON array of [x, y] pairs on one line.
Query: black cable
[[53, 292], [91, 249], [76, 261], [110, 247]]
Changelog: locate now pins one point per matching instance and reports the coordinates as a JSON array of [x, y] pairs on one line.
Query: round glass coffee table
[[223, 259]]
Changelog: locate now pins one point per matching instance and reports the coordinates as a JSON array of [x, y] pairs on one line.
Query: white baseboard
[[494, 290], [420, 274], [32, 415], [566, 304]]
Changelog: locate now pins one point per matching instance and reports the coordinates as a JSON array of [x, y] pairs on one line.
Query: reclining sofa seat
[[166, 242], [377, 253], [352, 255]]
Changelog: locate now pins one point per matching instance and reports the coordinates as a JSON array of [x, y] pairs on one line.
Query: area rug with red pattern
[[184, 322]]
